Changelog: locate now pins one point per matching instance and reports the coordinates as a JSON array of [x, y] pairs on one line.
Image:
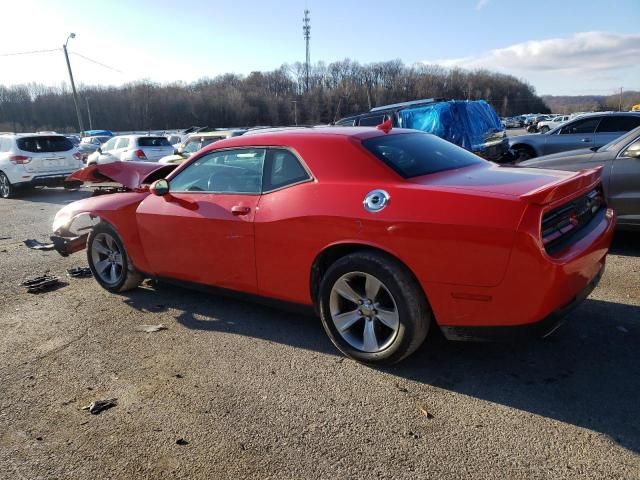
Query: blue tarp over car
[[469, 124]]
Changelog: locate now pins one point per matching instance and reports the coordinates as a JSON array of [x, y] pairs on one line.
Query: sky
[[561, 47]]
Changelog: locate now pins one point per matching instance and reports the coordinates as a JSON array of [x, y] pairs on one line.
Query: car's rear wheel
[[522, 153], [6, 189], [544, 129], [373, 309], [108, 260]]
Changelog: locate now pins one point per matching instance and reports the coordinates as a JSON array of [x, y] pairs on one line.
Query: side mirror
[[160, 187]]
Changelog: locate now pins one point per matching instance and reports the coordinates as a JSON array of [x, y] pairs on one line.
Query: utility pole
[[306, 30], [620, 101], [86, 99], [73, 85], [295, 111]]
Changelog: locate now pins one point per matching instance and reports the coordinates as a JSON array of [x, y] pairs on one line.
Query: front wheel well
[[333, 253], [524, 146]]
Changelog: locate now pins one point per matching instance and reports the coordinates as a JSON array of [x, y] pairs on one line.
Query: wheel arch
[[527, 147], [333, 252]]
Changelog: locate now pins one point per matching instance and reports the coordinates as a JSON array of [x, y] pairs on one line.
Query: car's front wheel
[[7, 190], [544, 129], [108, 260], [373, 309]]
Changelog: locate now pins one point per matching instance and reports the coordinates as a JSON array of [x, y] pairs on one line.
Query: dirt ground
[[236, 390]]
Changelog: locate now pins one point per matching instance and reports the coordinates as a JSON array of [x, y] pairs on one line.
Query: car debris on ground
[[79, 272], [42, 283], [151, 328], [98, 406], [37, 245]]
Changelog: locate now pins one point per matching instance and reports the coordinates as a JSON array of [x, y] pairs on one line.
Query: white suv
[[136, 148], [29, 159], [545, 126]]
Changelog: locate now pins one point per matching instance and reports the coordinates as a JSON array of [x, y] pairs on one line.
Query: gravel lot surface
[[236, 390]]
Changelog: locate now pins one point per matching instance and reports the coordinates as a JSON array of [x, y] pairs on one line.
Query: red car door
[[203, 230]]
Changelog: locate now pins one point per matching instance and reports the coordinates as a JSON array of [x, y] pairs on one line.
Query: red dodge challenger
[[384, 232]]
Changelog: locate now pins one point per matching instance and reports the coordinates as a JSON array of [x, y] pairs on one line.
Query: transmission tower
[[306, 30]]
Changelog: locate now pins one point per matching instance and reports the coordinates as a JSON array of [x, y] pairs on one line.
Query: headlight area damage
[[131, 180]]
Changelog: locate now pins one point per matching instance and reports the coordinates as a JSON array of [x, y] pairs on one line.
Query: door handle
[[240, 210], [585, 140]]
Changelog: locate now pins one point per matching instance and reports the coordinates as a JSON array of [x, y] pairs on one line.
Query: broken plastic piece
[[79, 272], [36, 245], [98, 406], [41, 284]]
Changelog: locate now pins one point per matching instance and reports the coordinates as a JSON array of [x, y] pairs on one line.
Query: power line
[[96, 62], [30, 52]]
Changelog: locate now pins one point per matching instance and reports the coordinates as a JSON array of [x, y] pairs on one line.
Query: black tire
[[7, 189], [522, 153], [413, 312], [544, 129], [126, 277]]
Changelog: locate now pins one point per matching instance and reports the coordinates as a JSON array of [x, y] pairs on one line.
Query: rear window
[[153, 142], [44, 144], [416, 154]]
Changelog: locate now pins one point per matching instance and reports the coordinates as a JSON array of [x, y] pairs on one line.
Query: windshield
[[416, 154]]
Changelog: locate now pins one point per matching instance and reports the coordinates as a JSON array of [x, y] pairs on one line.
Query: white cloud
[[481, 4], [582, 52]]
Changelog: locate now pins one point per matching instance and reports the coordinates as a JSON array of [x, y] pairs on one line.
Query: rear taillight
[[19, 159], [140, 154], [78, 156]]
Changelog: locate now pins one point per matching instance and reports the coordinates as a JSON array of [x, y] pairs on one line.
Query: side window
[[618, 123], [632, 151], [110, 145], [587, 125], [282, 168], [223, 171], [123, 143]]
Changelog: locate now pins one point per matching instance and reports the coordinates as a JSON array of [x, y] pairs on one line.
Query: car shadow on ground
[[55, 196], [626, 243], [586, 374]]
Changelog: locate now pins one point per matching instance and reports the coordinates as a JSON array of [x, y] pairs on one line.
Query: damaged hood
[[132, 175]]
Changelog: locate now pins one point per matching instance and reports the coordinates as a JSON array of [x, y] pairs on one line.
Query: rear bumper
[[542, 328], [52, 179]]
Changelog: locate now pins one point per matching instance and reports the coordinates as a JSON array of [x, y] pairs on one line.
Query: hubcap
[[107, 258], [364, 312]]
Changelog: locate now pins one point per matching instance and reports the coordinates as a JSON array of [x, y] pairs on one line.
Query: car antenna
[[385, 126]]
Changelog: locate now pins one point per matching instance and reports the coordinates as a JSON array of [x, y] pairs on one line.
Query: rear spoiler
[[581, 180]]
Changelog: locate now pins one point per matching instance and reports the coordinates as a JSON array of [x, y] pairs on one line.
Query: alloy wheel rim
[[364, 312], [107, 258], [4, 185]]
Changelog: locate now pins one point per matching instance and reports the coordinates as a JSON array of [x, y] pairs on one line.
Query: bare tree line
[[260, 98]]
